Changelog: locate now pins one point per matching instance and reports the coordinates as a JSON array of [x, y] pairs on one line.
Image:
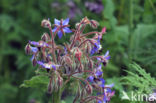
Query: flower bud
[[45, 37], [45, 23], [89, 89], [28, 49], [94, 24], [103, 30], [34, 61], [78, 54], [90, 64]]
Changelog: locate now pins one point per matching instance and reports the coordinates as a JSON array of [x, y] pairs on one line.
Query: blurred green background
[[131, 37]]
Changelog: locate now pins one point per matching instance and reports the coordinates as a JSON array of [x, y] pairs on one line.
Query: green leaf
[[37, 82]]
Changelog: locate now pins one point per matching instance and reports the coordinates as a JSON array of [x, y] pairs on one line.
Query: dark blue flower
[[102, 82], [106, 56], [96, 47], [90, 79], [34, 49], [62, 29]]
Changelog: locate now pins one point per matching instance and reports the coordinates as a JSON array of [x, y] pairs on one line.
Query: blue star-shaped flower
[[62, 29]]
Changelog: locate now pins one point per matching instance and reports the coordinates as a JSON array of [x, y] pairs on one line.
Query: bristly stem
[[90, 33], [85, 41], [53, 46]]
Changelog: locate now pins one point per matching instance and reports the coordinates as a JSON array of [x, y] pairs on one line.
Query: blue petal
[[109, 90], [110, 86], [65, 50], [54, 29], [40, 63], [99, 67], [54, 67], [57, 22], [34, 43], [34, 49], [67, 30], [103, 82], [60, 34], [90, 78], [98, 73], [32, 57], [99, 101], [107, 58], [66, 21], [106, 54]]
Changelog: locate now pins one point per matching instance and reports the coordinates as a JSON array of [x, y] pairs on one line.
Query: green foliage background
[[131, 37]]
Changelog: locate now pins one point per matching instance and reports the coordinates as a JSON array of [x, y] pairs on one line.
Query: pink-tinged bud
[[45, 37], [89, 89], [90, 64], [28, 49], [78, 54], [103, 30], [86, 20], [34, 61], [94, 24], [45, 23]]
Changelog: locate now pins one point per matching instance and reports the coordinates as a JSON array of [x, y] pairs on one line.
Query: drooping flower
[[48, 65], [97, 47], [61, 25], [39, 44], [104, 59]]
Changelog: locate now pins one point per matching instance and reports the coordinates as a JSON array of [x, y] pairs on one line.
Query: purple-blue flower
[[39, 44], [102, 82], [104, 59], [106, 56], [96, 47], [47, 65], [62, 28], [34, 49], [90, 79]]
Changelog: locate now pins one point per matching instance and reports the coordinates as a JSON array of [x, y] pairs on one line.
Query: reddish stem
[[53, 47], [90, 33]]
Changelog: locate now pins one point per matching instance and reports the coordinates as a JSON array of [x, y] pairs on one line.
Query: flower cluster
[[74, 60]]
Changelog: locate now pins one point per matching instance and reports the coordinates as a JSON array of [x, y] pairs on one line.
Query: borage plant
[[72, 62]]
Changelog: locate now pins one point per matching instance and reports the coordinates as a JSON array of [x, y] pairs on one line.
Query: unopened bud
[[89, 89], [45, 23], [78, 54], [103, 30], [45, 37], [94, 24], [28, 49], [34, 61], [90, 64]]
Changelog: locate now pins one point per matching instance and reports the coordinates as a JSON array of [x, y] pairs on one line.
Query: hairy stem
[[53, 46]]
